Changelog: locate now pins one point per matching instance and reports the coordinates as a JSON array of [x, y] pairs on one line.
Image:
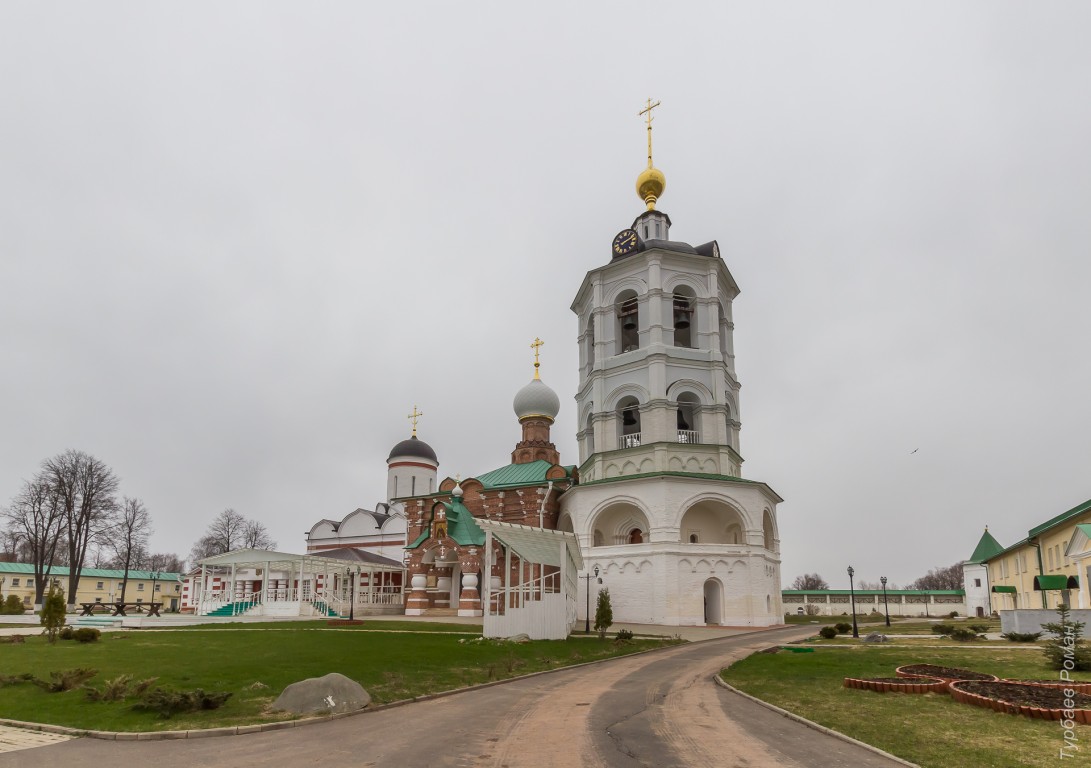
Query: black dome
[[413, 447]]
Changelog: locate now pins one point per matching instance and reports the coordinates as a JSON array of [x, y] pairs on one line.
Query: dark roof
[[355, 556], [413, 447]]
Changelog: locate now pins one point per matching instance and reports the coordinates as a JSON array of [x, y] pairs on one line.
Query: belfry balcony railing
[[689, 436], [631, 440]]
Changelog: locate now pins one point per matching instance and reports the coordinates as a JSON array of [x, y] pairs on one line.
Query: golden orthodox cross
[[536, 346], [413, 417], [648, 111]]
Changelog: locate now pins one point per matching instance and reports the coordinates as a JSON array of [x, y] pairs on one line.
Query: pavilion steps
[[96, 621], [232, 609], [440, 612]]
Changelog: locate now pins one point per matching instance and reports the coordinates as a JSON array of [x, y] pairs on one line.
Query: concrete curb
[[240, 730], [811, 724]]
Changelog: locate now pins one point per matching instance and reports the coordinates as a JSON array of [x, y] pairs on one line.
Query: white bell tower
[[661, 505]]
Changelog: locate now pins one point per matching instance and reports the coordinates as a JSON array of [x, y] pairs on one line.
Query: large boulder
[[332, 693]]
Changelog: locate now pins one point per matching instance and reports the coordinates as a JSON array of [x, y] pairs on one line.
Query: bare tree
[[810, 581], [14, 547], [85, 489], [230, 531], [37, 516], [949, 577], [129, 538], [168, 562], [876, 586], [256, 536]]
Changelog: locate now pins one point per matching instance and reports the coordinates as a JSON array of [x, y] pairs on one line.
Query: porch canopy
[[1055, 581], [1005, 588]]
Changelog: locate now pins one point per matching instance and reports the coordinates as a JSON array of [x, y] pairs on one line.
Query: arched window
[[723, 329], [628, 421], [684, 301], [590, 343], [590, 434], [636, 537], [768, 538], [687, 418], [597, 539], [693, 538], [628, 322]]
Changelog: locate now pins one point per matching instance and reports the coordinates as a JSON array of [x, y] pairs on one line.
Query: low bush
[[964, 635], [1021, 637], [65, 680], [12, 606], [952, 615], [87, 635], [169, 702], [828, 632], [979, 628], [67, 633], [942, 629], [842, 627], [623, 636], [12, 639]]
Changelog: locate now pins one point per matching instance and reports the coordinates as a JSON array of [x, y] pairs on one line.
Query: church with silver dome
[[657, 505]]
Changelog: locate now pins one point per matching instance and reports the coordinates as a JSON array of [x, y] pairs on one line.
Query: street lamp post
[[886, 606], [852, 600], [587, 607], [155, 578]]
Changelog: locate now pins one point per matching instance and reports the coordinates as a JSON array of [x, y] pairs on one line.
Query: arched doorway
[[714, 597]]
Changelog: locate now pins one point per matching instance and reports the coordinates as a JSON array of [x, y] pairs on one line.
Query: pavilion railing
[[518, 595]]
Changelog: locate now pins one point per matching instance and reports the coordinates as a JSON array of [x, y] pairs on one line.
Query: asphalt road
[[660, 709]]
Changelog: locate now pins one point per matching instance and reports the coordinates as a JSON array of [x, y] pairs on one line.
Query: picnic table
[[119, 608]]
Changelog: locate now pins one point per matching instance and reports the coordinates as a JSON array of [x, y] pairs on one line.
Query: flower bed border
[[1073, 686], [901, 672], [1082, 716], [915, 684]]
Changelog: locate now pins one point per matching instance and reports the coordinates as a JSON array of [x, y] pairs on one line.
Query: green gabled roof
[[515, 475], [102, 573], [461, 527], [1077, 510], [986, 549]]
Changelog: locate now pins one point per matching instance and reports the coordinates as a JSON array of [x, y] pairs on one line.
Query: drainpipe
[[545, 498], [1041, 570]]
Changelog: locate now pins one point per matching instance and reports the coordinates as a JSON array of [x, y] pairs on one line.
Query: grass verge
[[255, 665], [931, 730]]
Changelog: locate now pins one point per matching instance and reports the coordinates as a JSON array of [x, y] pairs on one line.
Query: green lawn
[[256, 664], [931, 730]]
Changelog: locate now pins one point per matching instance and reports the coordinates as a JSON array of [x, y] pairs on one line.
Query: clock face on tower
[[625, 242]]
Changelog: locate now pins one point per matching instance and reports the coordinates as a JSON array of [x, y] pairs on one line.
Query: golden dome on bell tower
[[651, 182]]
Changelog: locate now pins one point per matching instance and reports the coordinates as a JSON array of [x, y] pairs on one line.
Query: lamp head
[[596, 571], [882, 580], [851, 571]]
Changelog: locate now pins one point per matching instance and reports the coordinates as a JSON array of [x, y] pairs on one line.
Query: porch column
[[231, 591]]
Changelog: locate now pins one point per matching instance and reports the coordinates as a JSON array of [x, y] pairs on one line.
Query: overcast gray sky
[[238, 242]]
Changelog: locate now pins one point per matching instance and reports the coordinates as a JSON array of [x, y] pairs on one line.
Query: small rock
[[875, 637], [522, 638], [331, 693]]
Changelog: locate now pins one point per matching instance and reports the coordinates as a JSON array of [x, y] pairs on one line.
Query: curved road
[[660, 709]]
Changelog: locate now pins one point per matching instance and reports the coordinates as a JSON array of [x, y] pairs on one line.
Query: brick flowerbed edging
[[1082, 716], [903, 684], [1077, 687], [946, 674]]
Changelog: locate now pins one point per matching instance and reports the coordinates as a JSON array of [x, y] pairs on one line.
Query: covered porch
[[533, 582], [339, 583]]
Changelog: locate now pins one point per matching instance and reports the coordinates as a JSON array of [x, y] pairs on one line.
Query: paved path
[[659, 709]]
